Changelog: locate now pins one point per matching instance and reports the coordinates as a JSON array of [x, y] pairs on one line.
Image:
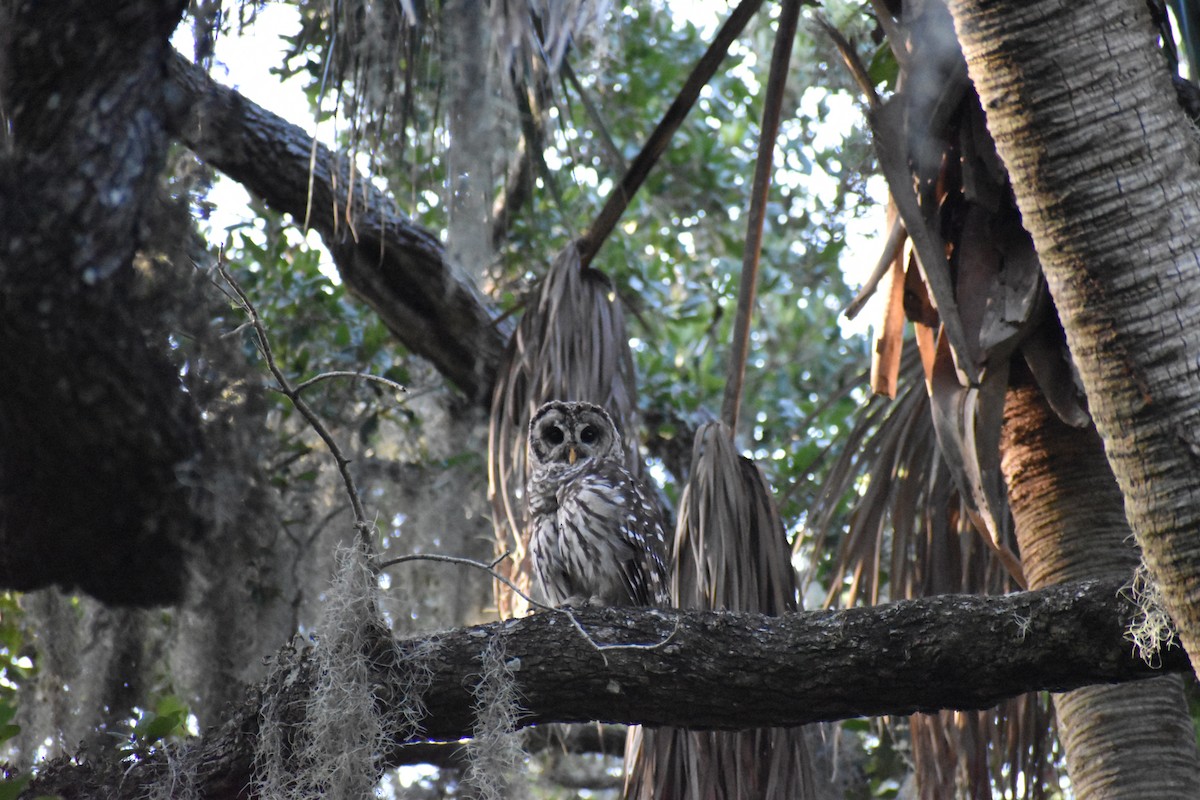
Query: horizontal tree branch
[[729, 671], [396, 267], [720, 670]]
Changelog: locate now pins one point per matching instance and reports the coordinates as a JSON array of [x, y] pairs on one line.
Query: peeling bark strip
[[96, 434], [1106, 171], [713, 670], [396, 267]]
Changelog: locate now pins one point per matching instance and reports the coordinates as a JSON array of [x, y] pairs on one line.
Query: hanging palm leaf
[[909, 534], [728, 522], [571, 344], [974, 289], [731, 552]]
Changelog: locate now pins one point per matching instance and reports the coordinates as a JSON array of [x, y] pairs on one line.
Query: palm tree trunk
[[1106, 172], [1131, 740]]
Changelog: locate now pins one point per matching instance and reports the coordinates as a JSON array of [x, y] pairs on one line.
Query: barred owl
[[596, 533]]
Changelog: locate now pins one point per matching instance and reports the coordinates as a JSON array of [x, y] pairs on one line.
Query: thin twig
[[767, 136], [366, 376], [623, 192], [363, 527], [466, 562], [490, 570]]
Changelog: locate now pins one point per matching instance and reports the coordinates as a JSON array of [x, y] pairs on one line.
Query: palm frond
[[908, 532], [961, 753], [539, 32], [571, 344], [730, 550], [730, 553], [909, 535], [929, 510]]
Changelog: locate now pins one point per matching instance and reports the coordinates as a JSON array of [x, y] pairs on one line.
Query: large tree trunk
[[99, 444], [1105, 170], [1071, 525]]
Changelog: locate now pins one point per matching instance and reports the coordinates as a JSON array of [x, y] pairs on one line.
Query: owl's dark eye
[[553, 435], [588, 434]]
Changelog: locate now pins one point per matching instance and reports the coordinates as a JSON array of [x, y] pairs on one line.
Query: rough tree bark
[[1049, 467], [1105, 169], [711, 670], [98, 441]]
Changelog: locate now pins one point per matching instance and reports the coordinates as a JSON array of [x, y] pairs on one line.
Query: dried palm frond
[[960, 753], [571, 344], [909, 532], [407, 78], [540, 31], [730, 553], [909, 535], [929, 509], [373, 47]]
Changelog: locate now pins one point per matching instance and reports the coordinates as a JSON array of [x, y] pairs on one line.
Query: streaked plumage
[[596, 532]]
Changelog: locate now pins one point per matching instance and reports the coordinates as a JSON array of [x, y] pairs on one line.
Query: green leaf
[[153, 727], [171, 704], [169, 717], [11, 788]]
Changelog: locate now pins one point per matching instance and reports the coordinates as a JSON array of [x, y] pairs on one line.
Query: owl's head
[[563, 434]]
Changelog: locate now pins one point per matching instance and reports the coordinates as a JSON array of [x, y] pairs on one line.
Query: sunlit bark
[[1132, 740], [1105, 170]]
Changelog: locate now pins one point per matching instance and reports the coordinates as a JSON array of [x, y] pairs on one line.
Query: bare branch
[[366, 376], [623, 192], [755, 218], [364, 528], [398, 268]]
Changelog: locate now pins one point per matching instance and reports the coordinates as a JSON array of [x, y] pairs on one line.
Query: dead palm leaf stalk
[[730, 550]]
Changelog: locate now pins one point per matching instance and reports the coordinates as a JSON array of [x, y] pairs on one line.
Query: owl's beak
[[571, 456]]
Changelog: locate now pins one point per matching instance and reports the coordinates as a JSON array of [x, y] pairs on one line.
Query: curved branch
[[395, 266]]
